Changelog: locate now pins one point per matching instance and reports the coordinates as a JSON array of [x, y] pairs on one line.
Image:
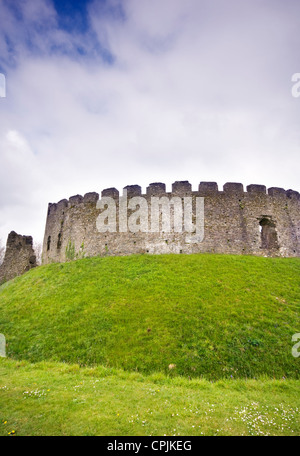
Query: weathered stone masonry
[[256, 221], [19, 257]]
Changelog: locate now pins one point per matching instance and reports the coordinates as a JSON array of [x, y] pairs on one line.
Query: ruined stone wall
[[256, 221], [19, 257]]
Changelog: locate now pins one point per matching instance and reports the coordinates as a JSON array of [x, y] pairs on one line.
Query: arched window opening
[[269, 240]]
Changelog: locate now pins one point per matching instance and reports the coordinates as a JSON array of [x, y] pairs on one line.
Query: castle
[[257, 221]]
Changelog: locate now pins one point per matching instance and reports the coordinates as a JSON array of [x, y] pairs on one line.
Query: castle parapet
[[133, 190], [62, 204], [91, 197], [51, 208], [110, 192], [233, 187], [74, 200], [254, 188], [208, 187], [181, 187], [156, 188], [292, 194], [275, 191]]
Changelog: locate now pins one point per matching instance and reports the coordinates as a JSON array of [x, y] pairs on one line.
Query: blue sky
[[72, 15], [68, 9], [112, 93]]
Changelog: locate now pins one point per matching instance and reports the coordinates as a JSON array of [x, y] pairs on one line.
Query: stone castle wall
[[19, 257], [256, 221]]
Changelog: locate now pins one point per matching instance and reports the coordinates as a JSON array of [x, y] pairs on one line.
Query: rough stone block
[[181, 187], [254, 188], [156, 188], [91, 197], [233, 187], [111, 192], [292, 194], [133, 190], [208, 187], [274, 191], [63, 204], [74, 200]]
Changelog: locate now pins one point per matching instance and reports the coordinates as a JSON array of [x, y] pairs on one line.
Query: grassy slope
[[212, 315], [62, 399]]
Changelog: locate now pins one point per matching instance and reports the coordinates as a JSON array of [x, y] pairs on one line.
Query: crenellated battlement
[[237, 219], [178, 187]]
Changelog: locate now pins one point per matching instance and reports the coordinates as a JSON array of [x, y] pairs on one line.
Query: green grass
[[213, 316], [61, 399]]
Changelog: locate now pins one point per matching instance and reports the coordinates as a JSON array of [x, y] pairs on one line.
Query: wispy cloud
[[144, 91]]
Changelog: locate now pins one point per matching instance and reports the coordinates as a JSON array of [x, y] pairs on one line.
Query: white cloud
[[196, 92]]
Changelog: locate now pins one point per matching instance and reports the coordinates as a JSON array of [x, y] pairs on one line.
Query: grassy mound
[[216, 316]]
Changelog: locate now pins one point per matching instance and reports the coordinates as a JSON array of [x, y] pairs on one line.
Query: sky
[[109, 93]]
